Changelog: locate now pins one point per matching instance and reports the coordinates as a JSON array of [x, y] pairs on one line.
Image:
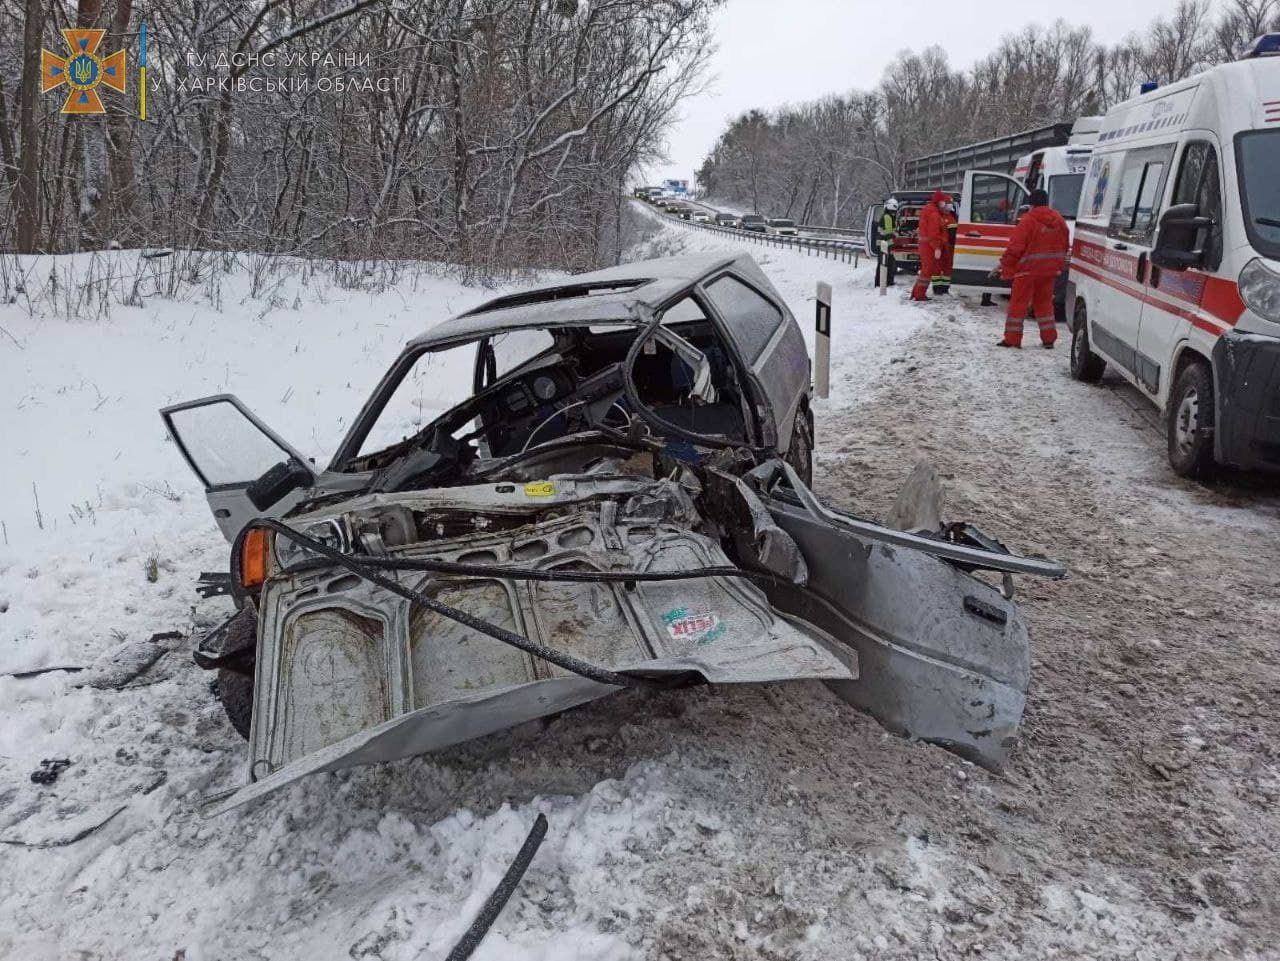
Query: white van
[[1060, 171], [1175, 267]]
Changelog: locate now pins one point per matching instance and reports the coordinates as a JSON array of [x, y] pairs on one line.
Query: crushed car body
[[622, 499]]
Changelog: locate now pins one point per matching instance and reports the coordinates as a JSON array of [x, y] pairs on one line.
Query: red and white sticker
[[699, 628]]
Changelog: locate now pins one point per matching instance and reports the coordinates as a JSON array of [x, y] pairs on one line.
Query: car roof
[[607, 296]]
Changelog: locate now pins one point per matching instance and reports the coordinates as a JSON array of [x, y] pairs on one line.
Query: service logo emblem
[[83, 72]]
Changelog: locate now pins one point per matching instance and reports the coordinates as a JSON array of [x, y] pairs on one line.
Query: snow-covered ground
[[104, 534], [752, 823]]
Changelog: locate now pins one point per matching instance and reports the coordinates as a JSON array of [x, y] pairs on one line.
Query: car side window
[[1200, 183], [1098, 184], [750, 318], [682, 312], [1137, 204]]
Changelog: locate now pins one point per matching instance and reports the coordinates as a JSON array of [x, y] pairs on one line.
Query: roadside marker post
[[822, 345]]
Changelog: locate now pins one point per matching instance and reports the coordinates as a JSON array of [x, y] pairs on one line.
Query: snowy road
[[1138, 820]]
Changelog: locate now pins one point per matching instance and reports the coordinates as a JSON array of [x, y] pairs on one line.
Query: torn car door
[[942, 655], [229, 449]]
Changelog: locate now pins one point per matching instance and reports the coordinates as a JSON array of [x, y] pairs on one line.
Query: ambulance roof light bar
[[1266, 45]]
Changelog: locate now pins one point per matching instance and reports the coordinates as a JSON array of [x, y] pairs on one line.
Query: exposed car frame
[[399, 603]]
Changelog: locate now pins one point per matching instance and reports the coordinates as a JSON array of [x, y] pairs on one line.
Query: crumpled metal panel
[[347, 674], [942, 656]]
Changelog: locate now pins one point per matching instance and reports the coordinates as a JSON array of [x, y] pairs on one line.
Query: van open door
[[988, 212], [871, 235]]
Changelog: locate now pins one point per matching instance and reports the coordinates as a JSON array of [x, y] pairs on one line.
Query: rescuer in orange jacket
[[1036, 254], [931, 242]]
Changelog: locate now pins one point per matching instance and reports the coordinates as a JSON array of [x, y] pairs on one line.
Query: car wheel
[[1189, 420], [1086, 366], [800, 453], [233, 689]]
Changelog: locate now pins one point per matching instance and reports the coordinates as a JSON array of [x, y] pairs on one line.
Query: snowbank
[[104, 534]]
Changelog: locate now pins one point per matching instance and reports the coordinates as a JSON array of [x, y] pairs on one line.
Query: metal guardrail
[[847, 250], [846, 232]]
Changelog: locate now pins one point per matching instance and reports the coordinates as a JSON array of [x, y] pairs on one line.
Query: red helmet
[[940, 198]]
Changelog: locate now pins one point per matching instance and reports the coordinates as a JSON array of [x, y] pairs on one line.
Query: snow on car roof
[[600, 297]]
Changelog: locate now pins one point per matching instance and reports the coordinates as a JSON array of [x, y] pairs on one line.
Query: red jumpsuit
[[942, 280], [1036, 254], [931, 241]]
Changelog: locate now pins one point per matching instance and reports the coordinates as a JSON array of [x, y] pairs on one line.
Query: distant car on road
[[728, 220], [781, 227], [701, 216], [755, 222]]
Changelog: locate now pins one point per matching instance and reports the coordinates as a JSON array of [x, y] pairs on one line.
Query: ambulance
[[1060, 171], [1175, 267]]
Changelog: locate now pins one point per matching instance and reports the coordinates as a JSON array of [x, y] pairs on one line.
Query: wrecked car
[[622, 499]]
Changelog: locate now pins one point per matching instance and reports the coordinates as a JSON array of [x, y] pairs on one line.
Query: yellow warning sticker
[[540, 489]]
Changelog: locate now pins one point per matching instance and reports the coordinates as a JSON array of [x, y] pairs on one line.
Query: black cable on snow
[[560, 659], [501, 894]]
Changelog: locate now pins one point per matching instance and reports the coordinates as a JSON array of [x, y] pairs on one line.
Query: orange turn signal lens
[[253, 557]]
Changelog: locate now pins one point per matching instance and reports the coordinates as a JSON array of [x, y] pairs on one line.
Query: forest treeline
[[824, 161], [491, 134]]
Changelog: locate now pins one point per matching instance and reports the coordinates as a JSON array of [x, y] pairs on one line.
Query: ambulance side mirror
[[1176, 248]]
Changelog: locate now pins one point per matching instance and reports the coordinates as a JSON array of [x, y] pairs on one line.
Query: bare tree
[[827, 159], [28, 179], [491, 134]]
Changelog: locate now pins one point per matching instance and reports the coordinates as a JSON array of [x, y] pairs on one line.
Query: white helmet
[[891, 203]]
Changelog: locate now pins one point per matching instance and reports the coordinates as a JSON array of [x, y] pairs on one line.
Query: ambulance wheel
[[1189, 420], [1086, 366]]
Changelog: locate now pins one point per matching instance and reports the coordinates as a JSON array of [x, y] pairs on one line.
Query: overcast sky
[[771, 53]]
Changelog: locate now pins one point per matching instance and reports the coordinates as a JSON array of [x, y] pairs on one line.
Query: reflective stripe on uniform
[[1047, 255]]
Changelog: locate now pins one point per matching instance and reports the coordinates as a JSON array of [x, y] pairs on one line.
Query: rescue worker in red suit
[[931, 242], [1036, 254], [950, 226]]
